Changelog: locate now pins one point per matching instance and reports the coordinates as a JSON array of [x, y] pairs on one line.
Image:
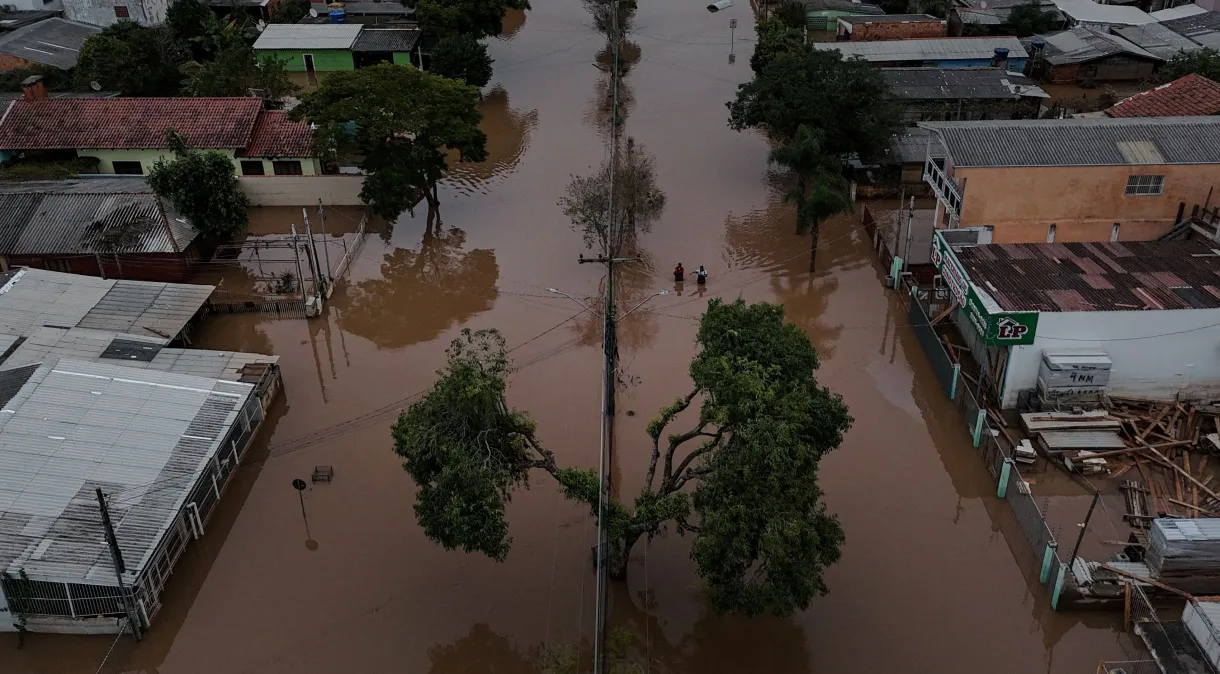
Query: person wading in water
[[679, 273], [701, 275]]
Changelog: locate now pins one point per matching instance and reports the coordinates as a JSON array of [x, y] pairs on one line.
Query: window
[[1050, 234], [252, 168], [1114, 233], [287, 168], [1145, 185], [121, 12], [128, 168]]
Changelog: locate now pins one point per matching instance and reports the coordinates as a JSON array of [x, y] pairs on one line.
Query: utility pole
[[1083, 528], [319, 283], [296, 252], [116, 557], [330, 280]]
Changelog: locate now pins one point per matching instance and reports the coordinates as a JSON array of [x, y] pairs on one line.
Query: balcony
[[944, 187]]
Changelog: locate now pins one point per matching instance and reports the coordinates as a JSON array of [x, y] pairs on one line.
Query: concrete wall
[[309, 165], [333, 190], [324, 60], [101, 12], [861, 32], [1183, 365], [1082, 202], [24, 5]]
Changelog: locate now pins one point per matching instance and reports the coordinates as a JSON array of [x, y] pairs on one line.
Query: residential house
[[107, 12], [963, 93], [108, 227], [891, 27], [1102, 17], [1056, 180], [127, 135], [989, 15], [825, 14], [1187, 96], [1142, 314], [328, 47], [947, 52], [51, 42], [1087, 55], [1202, 29], [1157, 39]]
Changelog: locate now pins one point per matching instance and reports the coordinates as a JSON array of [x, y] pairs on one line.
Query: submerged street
[[929, 581]]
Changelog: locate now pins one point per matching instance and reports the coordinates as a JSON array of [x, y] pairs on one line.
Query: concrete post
[[957, 370], [1047, 557], [977, 435], [1005, 472], [1058, 588]]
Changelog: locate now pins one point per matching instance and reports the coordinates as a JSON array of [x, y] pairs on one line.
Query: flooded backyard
[[934, 575]]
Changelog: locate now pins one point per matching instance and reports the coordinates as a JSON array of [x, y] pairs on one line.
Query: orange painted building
[[1073, 180]]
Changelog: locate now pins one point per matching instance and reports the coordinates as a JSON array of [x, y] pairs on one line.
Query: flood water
[[934, 578]]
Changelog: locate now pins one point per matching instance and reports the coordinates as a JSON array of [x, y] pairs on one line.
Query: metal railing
[[1128, 667], [944, 187], [946, 370]]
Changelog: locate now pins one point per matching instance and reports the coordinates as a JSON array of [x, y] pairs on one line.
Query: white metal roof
[[930, 49], [143, 437], [33, 298], [1177, 12], [305, 36], [48, 345], [1087, 11]]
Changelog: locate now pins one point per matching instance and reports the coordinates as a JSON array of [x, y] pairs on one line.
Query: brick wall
[[862, 32], [8, 63]]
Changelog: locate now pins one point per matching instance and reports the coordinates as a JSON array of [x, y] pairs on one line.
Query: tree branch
[[658, 426], [671, 483]]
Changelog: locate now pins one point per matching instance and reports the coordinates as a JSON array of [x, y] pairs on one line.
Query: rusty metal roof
[[1127, 276]]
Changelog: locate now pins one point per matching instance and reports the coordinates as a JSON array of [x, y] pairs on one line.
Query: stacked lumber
[[1184, 550], [1075, 438]]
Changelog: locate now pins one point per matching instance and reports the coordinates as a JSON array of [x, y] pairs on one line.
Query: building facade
[[106, 12], [949, 52], [1090, 55], [1148, 309], [1103, 179], [891, 27], [328, 48]]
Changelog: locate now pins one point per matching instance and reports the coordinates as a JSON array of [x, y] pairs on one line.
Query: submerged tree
[[762, 533], [820, 190], [637, 201], [462, 58], [477, 18], [400, 122], [202, 185]]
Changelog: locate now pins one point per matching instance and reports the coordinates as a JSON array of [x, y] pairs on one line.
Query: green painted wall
[[826, 19], [324, 60], [402, 58], [309, 165]]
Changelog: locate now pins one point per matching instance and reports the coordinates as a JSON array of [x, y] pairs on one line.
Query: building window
[[1145, 185], [1114, 233], [1050, 234], [287, 168], [121, 12], [128, 168], [253, 168]]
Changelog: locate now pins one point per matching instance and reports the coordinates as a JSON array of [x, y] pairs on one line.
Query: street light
[[656, 294], [582, 304]]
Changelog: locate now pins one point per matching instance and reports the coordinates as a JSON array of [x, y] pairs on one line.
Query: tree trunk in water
[[620, 553], [800, 205], [813, 244], [434, 202]]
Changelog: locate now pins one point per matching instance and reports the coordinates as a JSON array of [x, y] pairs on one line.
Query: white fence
[[333, 190]]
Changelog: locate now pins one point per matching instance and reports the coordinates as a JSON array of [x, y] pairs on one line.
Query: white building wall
[[1178, 356], [22, 5], [102, 12]]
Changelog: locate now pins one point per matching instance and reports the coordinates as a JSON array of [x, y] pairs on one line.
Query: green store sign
[[1005, 328]]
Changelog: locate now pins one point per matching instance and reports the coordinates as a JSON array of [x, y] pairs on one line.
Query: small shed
[[388, 44], [1089, 55], [310, 48]]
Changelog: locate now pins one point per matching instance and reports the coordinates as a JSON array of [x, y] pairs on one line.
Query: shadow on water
[[420, 293]]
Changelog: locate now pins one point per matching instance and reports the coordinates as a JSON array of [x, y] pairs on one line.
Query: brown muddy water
[[935, 576]]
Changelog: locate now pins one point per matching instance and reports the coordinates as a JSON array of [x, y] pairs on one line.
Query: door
[[309, 69]]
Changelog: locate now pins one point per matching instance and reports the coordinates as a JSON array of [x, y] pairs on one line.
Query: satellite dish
[[261, 24], [95, 85], [313, 13]]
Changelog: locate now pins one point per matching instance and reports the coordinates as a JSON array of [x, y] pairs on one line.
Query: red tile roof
[[275, 136], [1190, 96], [128, 123]]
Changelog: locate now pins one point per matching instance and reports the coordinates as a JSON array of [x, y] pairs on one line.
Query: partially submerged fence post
[[1005, 473], [957, 370], [1058, 587], [979, 425], [1047, 558]]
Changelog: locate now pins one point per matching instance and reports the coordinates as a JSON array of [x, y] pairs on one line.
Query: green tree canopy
[[189, 21], [463, 58], [793, 14], [762, 533], [237, 71], [476, 18], [846, 102], [820, 190], [132, 59], [1205, 62], [401, 121], [202, 185], [1031, 18], [775, 37]]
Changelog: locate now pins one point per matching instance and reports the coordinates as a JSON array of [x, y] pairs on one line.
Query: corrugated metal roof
[[1177, 12], [1087, 11], [34, 298], [296, 37], [1077, 142], [358, 8], [105, 215], [1082, 439], [1156, 39], [925, 84], [929, 49], [854, 6], [1203, 29], [892, 18], [1081, 45], [53, 42], [386, 39], [76, 425], [81, 344], [912, 146], [1126, 276]]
